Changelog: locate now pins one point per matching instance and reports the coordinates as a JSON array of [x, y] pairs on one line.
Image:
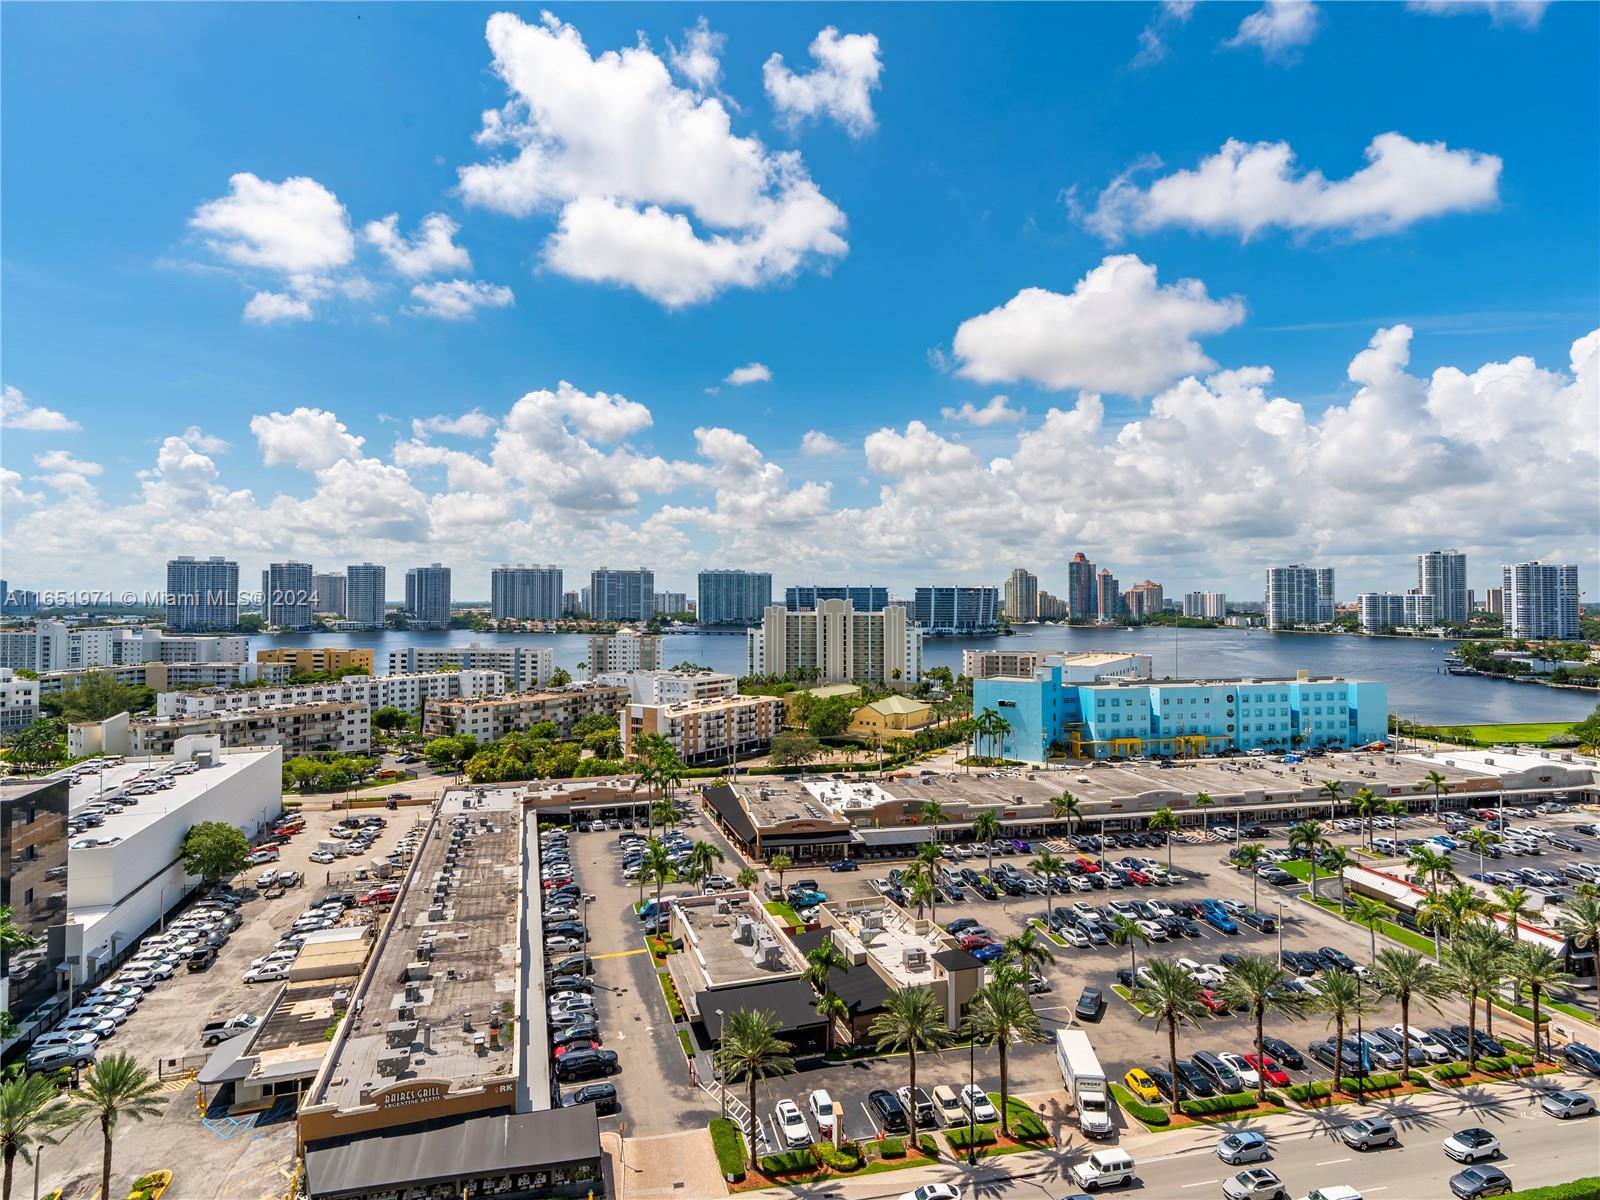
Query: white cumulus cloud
[[311, 439], [816, 444], [268, 308], [475, 423], [840, 86], [16, 412], [1526, 13], [204, 442], [432, 250], [650, 187], [1279, 27], [749, 373], [1120, 330], [699, 59], [997, 411], [1246, 188], [297, 227], [458, 299], [67, 474]]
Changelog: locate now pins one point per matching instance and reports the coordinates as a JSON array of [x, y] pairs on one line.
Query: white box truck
[[1086, 1082]]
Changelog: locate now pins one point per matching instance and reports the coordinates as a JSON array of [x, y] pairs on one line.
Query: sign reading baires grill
[[409, 1102], [434, 1091], [422, 1094]]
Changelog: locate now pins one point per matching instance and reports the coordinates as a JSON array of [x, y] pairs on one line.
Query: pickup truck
[[213, 1032]]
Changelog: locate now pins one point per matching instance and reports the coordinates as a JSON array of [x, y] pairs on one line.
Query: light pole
[[1280, 933], [716, 1069], [972, 1106]]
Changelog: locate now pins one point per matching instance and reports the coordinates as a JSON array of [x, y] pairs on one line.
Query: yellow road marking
[[619, 953]]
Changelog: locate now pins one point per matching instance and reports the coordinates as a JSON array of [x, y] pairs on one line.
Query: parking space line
[[1330, 1162], [1200, 1183], [619, 953]]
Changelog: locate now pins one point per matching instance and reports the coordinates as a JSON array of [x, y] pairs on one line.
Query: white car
[[1153, 931], [322, 856], [1247, 1074], [1074, 936], [160, 968], [1469, 1145], [934, 1191], [1424, 1041], [821, 1106], [108, 1011], [791, 1125], [978, 1104], [562, 944], [267, 973]]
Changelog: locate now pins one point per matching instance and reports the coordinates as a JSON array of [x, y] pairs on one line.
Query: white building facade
[[838, 643], [524, 667]]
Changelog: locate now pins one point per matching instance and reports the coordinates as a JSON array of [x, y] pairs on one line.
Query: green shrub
[[1024, 1123], [928, 1146], [1451, 1071], [845, 1158], [674, 1005], [728, 1142], [891, 1147], [1207, 1106], [1147, 1114], [961, 1137], [790, 1162], [687, 1044], [1578, 1189]]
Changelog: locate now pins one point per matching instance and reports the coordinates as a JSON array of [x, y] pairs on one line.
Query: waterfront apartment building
[[1442, 575], [202, 594], [1494, 601], [523, 666], [865, 599], [1126, 718], [671, 602], [1082, 598], [1052, 608], [1107, 596], [1379, 612], [409, 693], [57, 646], [986, 664], [19, 701], [1208, 606], [672, 687], [1086, 666], [952, 611], [366, 593], [622, 595], [571, 602], [526, 593], [733, 598], [707, 731], [1022, 596], [152, 645], [624, 650], [428, 597], [320, 660], [1540, 600], [836, 644], [288, 592], [493, 717], [330, 589], [170, 676], [1299, 595], [1144, 600], [342, 727]]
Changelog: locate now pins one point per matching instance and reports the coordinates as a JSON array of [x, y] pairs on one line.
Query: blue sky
[[206, 351]]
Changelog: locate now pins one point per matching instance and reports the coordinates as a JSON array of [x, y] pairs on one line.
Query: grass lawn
[[1388, 929], [780, 909], [1534, 733], [1127, 994], [1045, 929]]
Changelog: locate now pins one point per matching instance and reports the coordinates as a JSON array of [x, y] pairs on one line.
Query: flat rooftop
[[902, 946], [773, 800], [463, 945], [734, 939], [146, 810]]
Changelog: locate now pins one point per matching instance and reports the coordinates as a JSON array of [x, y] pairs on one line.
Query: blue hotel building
[[1123, 718]]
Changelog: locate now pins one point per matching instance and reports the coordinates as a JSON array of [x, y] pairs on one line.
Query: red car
[[1137, 876], [1212, 1001], [1089, 865], [379, 896], [580, 1045], [1275, 1074], [975, 941], [265, 848], [556, 881]]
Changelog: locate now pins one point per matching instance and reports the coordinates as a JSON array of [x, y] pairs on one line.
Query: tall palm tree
[[1256, 984], [1340, 1000], [1125, 931], [823, 960], [747, 878], [1171, 998], [751, 1049], [1404, 975], [1203, 801], [657, 867], [1334, 791], [1513, 904], [32, 1113], [1537, 969], [1440, 786], [1396, 809], [985, 726], [912, 1019], [1581, 925], [1368, 806], [1001, 1013], [1247, 858], [1480, 840], [703, 858], [1334, 860], [1047, 866], [1307, 835], [933, 813], [927, 860], [664, 813], [985, 829], [920, 888], [1498, 945], [1364, 910], [831, 1009], [778, 864], [1431, 867], [1067, 805], [117, 1090], [1028, 950], [1164, 821], [1473, 968]]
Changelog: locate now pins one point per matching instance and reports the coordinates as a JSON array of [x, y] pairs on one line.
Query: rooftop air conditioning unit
[[772, 955], [915, 958], [744, 931]]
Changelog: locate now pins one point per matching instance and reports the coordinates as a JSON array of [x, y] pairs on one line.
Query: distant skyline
[[859, 294]]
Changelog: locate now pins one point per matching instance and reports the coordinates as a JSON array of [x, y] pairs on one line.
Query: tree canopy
[[97, 697], [213, 849]]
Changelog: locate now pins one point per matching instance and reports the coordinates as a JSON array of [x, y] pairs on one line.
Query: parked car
[[586, 1064], [1091, 1003], [791, 1125], [977, 1104], [1576, 1054], [602, 1095], [886, 1110], [1368, 1133]]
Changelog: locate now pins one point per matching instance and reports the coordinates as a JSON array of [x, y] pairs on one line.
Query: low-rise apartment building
[[19, 701], [672, 687], [406, 692], [1086, 666], [492, 717], [525, 667], [339, 726], [705, 731], [319, 660]]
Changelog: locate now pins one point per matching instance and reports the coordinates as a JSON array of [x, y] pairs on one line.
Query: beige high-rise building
[[1022, 596], [836, 644]]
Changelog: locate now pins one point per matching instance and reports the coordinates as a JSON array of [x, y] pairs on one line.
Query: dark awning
[[484, 1145], [725, 801], [957, 960], [791, 1002], [229, 1060]]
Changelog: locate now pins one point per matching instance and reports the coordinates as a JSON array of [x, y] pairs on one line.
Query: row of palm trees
[[34, 1113], [912, 1021]]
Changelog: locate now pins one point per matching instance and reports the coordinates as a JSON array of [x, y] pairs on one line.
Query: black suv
[[602, 1095], [1090, 1002], [586, 1064], [888, 1111]]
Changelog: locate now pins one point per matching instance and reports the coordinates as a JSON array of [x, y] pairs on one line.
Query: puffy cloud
[[749, 373], [11, 494], [997, 412], [66, 474], [268, 308], [458, 299], [840, 86], [727, 450], [475, 423], [1244, 189], [16, 412], [297, 227], [1120, 330], [1279, 27], [699, 59], [430, 251], [204, 442], [650, 187], [1526, 13], [816, 444], [312, 439], [1153, 37]]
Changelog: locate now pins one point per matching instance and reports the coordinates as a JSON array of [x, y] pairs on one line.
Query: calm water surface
[[1419, 688]]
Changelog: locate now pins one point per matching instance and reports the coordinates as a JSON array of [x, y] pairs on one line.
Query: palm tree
[[1581, 925], [117, 1089], [1027, 950], [1203, 801], [1164, 821], [1340, 999], [1513, 903], [1335, 859], [824, 959], [778, 864], [1368, 806], [1256, 984], [1480, 840], [831, 1009], [1404, 975], [1125, 931], [920, 888], [1364, 910], [1499, 947], [1047, 866], [657, 868], [1247, 858], [1170, 996], [1067, 805], [1308, 835], [1538, 970], [927, 861], [933, 813], [1334, 791], [912, 1019], [1430, 866], [1472, 966], [752, 1050], [1396, 809], [703, 856], [664, 813], [32, 1113], [1440, 786], [1001, 1013], [747, 878], [985, 829], [985, 726]]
